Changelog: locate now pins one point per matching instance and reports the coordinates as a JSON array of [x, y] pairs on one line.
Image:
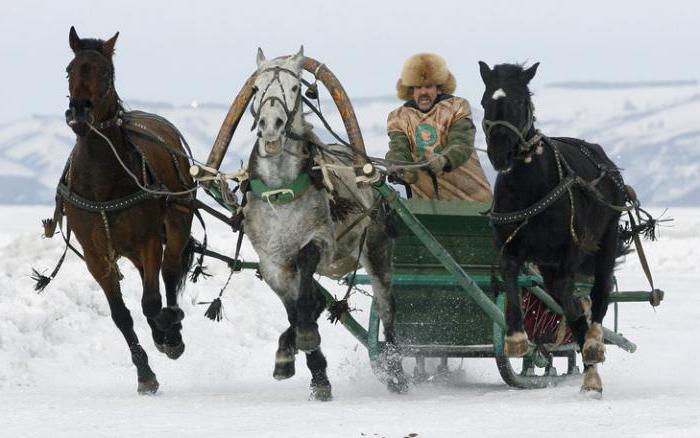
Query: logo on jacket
[[425, 137]]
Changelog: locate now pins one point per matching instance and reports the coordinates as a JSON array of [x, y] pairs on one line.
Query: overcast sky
[[179, 52]]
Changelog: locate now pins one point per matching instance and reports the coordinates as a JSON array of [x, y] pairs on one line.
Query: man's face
[[425, 96]]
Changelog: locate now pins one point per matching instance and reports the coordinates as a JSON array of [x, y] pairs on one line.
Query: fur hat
[[424, 69]]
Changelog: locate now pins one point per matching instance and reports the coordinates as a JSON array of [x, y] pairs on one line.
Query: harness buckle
[[279, 193]]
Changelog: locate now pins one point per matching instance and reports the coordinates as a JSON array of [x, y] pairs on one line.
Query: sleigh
[[449, 298]]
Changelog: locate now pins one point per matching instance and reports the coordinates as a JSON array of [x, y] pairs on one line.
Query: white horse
[[291, 219]]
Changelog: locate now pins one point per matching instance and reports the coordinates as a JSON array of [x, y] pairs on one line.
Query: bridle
[[264, 98], [114, 120], [525, 146]]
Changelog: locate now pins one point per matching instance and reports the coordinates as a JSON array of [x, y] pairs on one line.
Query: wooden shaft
[[228, 128]]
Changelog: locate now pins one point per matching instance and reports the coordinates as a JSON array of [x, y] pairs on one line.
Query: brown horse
[[117, 191]]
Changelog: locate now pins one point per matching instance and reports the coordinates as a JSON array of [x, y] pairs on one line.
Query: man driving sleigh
[[435, 126]]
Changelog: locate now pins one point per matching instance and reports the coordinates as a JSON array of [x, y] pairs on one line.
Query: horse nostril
[[278, 123], [262, 123]]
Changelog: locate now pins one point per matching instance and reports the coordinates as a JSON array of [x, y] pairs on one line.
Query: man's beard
[[424, 101]]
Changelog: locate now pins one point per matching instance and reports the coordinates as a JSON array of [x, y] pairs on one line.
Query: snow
[[65, 370]]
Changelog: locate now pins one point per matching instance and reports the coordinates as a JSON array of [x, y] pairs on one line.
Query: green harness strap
[[280, 195]]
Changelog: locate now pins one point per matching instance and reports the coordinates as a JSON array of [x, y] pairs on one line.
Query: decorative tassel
[[41, 280], [49, 227], [215, 311], [199, 270], [649, 231], [337, 309]]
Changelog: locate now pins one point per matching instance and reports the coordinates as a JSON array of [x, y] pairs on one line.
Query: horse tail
[[622, 248], [186, 261]]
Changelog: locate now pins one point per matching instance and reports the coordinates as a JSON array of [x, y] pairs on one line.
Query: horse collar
[[281, 195]]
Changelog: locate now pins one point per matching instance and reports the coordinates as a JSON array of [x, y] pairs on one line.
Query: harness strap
[[656, 295], [535, 209], [100, 206]]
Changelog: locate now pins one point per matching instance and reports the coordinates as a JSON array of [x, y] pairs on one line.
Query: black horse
[[557, 203]]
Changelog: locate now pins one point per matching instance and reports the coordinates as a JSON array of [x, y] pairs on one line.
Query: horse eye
[[294, 89]]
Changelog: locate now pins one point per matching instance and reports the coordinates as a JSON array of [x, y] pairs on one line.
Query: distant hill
[[651, 131], [595, 85]]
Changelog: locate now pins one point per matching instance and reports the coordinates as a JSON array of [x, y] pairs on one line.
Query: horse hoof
[[148, 386], [398, 384], [168, 317], [321, 392], [308, 340], [592, 385], [160, 347], [592, 393], [174, 351], [284, 369], [516, 345]]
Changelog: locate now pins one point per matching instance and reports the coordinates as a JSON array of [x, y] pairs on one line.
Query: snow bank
[[65, 369]]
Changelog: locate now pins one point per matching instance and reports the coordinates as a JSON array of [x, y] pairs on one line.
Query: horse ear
[[73, 40], [298, 59], [485, 71], [108, 46], [530, 73], [260, 58]]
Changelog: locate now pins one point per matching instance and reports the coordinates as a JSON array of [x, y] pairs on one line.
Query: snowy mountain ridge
[[652, 132]]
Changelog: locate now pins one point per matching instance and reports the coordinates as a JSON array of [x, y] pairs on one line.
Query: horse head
[[277, 103], [508, 113], [90, 82]]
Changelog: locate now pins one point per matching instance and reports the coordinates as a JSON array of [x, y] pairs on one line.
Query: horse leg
[[105, 273], [308, 304], [285, 355], [593, 350], [320, 385], [156, 333], [576, 318], [316, 361], [177, 259], [279, 280], [376, 258], [516, 341], [151, 301]]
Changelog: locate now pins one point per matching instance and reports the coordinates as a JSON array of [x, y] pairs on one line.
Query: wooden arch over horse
[[334, 88]]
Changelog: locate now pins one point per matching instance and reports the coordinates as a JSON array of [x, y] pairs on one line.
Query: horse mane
[[505, 71], [509, 74], [91, 44]]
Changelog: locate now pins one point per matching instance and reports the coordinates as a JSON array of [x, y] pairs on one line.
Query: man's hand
[[437, 165], [409, 176]]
